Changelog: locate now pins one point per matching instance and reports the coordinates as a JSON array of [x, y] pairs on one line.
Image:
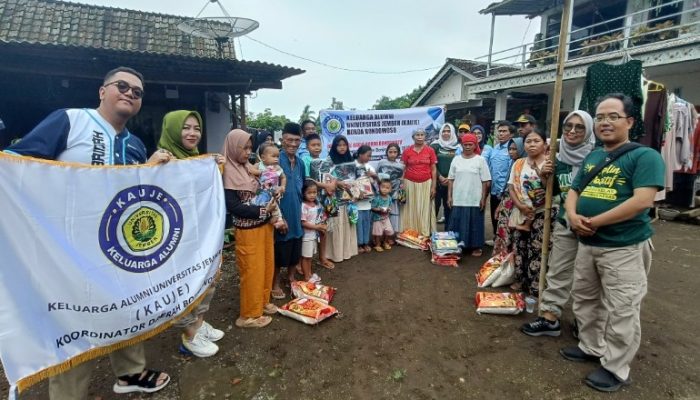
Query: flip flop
[[277, 294], [327, 264], [477, 253]]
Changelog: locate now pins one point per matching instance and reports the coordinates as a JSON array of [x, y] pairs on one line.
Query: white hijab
[[450, 144], [574, 155]]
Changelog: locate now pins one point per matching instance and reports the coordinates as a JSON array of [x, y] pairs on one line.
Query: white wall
[[449, 92], [217, 124]]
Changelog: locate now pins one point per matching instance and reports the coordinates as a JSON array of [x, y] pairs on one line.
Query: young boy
[[315, 146], [381, 226]]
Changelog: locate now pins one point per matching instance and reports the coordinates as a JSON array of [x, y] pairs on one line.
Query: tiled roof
[[81, 25], [477, 69]]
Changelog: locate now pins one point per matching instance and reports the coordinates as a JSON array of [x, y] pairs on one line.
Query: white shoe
[[315, 279], [200, 346], [209, 332], [489, 243], [441, 220]]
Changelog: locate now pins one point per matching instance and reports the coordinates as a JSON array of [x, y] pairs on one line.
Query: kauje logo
[[141, 228], [333, 124]]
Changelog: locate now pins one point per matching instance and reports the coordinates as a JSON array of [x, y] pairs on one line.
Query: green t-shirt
[[642, 167], [563, 173], [444, 159]]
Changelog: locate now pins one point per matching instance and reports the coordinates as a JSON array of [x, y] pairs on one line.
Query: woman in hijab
[[445, 148], [254, 233], [258, 139], [577, 142], [341, 235], [503, 237], [180, 135]]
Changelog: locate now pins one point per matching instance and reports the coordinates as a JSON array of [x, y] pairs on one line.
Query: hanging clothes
[[602, 79], [654, 115]]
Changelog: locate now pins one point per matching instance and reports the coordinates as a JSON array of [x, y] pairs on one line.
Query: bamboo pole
[[554, 135]]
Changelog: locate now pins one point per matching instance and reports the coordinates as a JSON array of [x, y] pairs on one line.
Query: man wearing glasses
[[610, 217], [99, 137]]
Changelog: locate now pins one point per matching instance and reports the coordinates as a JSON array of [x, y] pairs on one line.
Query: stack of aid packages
[[412, 239], [445, 249], [498, 271], [311, 304]]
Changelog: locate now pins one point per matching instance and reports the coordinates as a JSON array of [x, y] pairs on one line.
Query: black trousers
[[494, 200], [441, 198]]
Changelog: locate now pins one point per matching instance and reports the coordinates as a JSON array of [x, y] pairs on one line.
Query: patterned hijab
[[236, 175], [171, 133], [574, 155]]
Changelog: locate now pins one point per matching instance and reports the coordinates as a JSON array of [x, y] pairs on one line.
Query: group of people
[[282, 217]]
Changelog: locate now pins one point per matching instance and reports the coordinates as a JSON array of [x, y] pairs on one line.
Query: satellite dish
[[221, 29]]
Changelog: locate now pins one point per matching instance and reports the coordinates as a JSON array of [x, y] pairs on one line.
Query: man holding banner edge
[[82, 136]]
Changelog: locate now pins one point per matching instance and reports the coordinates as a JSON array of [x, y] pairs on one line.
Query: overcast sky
[[357, 34]]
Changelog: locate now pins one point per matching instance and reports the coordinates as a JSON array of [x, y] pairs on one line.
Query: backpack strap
[[612, 156]]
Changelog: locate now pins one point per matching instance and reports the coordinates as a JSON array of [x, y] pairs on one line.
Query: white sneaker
[[209, 332], [200, 346], [315, 279]]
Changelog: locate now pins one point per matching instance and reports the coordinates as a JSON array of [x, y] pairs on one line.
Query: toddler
[[381, 225]]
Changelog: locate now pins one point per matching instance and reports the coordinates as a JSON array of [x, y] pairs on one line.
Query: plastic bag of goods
[[506, 272], [489, 272], [499, 303], [314, 291], [308, 311]]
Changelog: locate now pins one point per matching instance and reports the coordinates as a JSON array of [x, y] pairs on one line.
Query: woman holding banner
[[181, 133], [255, 255], [420, 181]]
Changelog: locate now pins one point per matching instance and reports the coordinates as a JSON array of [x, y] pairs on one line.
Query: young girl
[[468, 186], [393, 169], [341, 236], [312, 220], [364, 220], [381, 225]]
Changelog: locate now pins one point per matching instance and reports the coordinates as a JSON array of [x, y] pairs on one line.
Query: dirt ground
[[409, 330]]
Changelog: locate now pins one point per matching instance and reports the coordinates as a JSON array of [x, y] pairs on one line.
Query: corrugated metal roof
[[531, 8], [74, 24]]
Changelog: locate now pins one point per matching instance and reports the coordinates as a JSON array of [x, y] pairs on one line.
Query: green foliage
[[306, 113], [405, 101], [267, 121]]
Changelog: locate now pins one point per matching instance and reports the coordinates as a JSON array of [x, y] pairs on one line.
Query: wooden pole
[[554, 135]]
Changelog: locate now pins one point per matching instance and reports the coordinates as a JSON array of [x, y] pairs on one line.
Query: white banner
[[378, 128], [95, 258]]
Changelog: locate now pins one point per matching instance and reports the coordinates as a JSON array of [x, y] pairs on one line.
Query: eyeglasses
[[578, 128], [123, 88], [610, 117]]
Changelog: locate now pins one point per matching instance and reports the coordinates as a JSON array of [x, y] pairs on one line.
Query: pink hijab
[[236, 175]]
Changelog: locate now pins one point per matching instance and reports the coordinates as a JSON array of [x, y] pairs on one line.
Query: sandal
[[277, 294], [327, 264], [361, 250], [477, 253], [387, 246], [145, 382], [270, 309], [378, 249], [260, 322]]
